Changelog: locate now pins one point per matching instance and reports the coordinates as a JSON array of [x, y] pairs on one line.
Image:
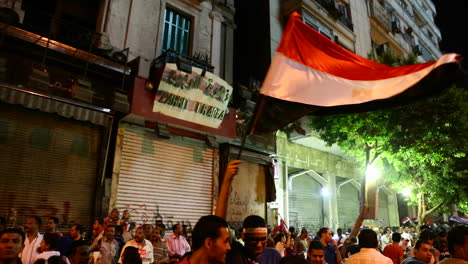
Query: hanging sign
[[192, 97]]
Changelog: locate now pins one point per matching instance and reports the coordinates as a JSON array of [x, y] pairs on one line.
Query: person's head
[[292, 229], [76, 231], [458, 242], [126, 215], [293, 259], [11, 244], [98, 224], [131, 256], [254, 234], [427, 235], [177, 229], [79, 253], [388, 231], [119, 230], [33, 223], [280, 238], [325, 234], [396, 237], [52, 223], [304, 233], [148, 228], [49, 242], [353, 240], [368, 239], [155, 235], [56, 260], [109, 232], [139, 235], [114, 214], [423, 251], [316, 252], [211, 235], [339, 232]]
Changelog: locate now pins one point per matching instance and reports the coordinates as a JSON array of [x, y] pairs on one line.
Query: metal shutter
[[305, 203], [382, 212], [164, 179], [48, 166], [348, 206]]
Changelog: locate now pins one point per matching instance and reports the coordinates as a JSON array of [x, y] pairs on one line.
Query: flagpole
[[252, 123]]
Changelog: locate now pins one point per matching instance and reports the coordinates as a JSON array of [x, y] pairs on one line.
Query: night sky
[[452, 20]]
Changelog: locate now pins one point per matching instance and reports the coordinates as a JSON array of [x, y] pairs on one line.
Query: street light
[[406, 192], [325, 192], [372, 173]]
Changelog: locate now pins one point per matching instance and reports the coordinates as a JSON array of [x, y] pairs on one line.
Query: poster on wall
[[248, 194], [201, 99]]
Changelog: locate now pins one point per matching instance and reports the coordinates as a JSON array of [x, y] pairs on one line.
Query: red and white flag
[[310, 69]]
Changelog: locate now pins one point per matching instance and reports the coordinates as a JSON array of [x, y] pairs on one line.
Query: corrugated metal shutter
[[160, 179], [348, 206], [305, 203], [48, 166], [382, 212]]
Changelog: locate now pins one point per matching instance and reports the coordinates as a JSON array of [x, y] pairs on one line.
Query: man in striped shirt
[[177, 244]]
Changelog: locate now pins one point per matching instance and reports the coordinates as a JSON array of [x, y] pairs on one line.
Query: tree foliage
[[422, 145]]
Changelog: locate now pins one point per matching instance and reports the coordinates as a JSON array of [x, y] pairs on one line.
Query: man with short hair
[[177, 244], [210, 241], [339, 237], [301, 244], [394, 251], [48, 247], [148, 228], [316, 252], [332, 254], [108, 246], [422, 253], [98, 232], [369, 253], [52, 224], [11, 245], [254, 233], [79, 253], [458, 246], [145, 248], [33, 239]]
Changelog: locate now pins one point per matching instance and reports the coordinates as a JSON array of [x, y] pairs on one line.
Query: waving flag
[[311, 74]]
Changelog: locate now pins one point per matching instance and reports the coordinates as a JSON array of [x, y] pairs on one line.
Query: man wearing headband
[[254, 229], [254, 234]]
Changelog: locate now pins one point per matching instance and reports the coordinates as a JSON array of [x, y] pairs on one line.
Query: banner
[[192, 96]]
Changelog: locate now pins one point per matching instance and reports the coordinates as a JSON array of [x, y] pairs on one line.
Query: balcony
[[381, 15], [335, 13]]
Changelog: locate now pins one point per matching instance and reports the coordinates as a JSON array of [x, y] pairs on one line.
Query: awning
[[51, 104]]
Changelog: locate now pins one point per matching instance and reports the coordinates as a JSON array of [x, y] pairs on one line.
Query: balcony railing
[[170, 56], [381, 14], [330, 6]]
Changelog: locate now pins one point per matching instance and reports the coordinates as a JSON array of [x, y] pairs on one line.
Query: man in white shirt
[[33, 239], [369, 253], [145, 248], [177, 245]]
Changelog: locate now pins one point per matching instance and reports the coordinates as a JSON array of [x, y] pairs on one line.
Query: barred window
[[176, 33]]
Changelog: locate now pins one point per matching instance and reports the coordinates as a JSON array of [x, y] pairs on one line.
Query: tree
[[421, 145]]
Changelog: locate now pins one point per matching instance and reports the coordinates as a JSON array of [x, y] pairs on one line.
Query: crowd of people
[[116, 239]]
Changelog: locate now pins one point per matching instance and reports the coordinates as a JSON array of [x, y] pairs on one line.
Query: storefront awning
[[51, 104]]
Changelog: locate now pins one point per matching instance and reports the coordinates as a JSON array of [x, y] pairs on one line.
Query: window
[[322, 29], [176, 33]]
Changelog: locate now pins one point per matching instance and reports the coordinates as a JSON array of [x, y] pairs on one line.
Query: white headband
[[255, 230]]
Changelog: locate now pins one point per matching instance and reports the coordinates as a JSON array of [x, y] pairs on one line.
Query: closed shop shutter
[[348, 206], [305, 203], [382, 212], [48, 166], [164, 179]]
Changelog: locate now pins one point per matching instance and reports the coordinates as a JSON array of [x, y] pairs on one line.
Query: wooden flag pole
[[253, 122]]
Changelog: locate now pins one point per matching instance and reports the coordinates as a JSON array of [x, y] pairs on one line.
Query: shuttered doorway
[[348, 206], [305, 203], [48, 166], [164, 179], [382, 212]]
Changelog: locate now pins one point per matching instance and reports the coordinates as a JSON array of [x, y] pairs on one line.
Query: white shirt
[[384, 241], [146, 251], [29, 252], [368, 256], [406, 236]]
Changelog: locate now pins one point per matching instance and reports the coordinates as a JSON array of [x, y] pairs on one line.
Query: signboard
[[192, 97]]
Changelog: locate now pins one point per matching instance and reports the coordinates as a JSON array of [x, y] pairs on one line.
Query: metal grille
[[305, 203], [161, 179], [348, 206]]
